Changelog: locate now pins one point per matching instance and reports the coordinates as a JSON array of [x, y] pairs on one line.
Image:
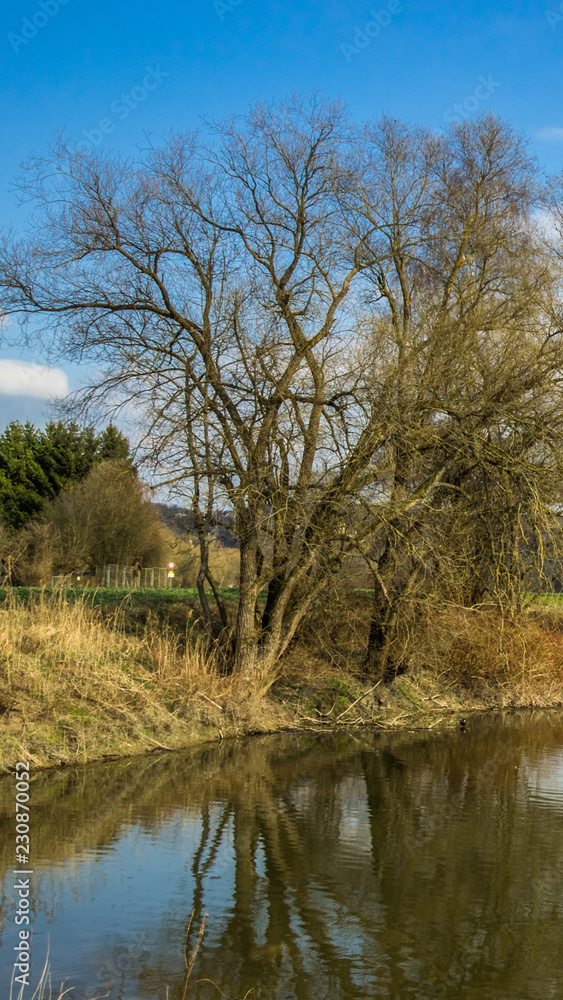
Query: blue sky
[[109, 72]]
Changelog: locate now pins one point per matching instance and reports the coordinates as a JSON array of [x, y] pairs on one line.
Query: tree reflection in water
[[393, 866]]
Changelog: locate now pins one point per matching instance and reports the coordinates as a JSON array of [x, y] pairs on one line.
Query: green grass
[[108, 596], [548, 600]]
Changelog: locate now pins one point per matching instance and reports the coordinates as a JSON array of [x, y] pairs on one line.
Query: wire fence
[[117, 577], [154, 577]]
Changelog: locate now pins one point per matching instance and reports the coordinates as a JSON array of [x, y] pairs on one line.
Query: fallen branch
[[161, 745], [361, 698], [210, 700]]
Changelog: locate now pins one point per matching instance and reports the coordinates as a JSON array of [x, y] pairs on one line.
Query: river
[[329, 867]]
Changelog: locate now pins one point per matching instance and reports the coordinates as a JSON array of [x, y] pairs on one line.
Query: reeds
[[44, 989], [486, 649], [78, 683]]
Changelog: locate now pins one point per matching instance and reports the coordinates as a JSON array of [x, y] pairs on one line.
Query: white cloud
[[25, 378], [551, 133], [547, 224]]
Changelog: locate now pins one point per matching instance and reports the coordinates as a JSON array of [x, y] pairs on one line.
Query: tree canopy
[[36, 465], [106, 518], [349, 337]]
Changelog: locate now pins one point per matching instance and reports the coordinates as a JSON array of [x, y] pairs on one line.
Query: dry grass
[[45, 990], [76, 686], [485, 650], [484, 657], [79, 684]]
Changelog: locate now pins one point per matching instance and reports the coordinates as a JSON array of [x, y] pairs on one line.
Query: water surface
[[349, 866]]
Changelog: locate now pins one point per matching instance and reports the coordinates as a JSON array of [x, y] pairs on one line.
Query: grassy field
[[113, 596], [546, 600]]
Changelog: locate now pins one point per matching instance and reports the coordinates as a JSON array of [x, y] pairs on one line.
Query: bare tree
[[313, 319], [104, 519], [473, 364]]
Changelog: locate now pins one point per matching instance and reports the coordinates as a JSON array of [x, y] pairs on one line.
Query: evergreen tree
[[113, 446], [68, 452], [36, 465], [24, 483]]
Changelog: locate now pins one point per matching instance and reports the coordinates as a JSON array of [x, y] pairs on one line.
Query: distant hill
[[181, 521]]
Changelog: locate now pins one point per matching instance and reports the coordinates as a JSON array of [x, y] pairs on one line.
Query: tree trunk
[[274, 590], [246, 633], [200, 582], [378, 662]]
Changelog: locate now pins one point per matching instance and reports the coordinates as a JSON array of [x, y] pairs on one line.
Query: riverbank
[[79, 683]]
